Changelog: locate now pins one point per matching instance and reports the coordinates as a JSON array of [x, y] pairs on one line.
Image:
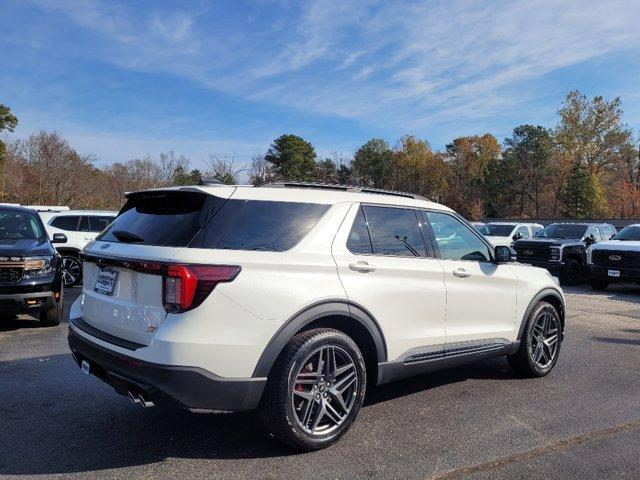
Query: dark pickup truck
[[30, 268], [616, 260], [561, 248]]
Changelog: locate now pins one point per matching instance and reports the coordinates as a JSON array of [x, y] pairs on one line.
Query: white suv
[[80, 227], [504, 233], [292, 298]]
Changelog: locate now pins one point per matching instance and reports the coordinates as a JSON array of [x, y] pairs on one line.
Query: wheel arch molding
[[330, 314], [549, 295]]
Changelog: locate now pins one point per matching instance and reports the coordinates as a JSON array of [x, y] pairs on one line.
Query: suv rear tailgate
[[122, 287]]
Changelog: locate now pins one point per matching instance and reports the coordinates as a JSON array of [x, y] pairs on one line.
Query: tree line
[[586, 166]]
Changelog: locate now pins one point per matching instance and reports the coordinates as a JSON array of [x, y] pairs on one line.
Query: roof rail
[[342, 188]]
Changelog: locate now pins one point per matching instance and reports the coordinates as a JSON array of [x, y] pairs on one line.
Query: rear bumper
[[626, 274], [186, 387]]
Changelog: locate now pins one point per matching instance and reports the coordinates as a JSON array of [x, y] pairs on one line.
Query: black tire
[[278, 409], [53, 316], [523, 361], [598, 284], [71, 269], [571, 273]]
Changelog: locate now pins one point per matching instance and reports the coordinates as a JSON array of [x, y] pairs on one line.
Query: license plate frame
[[105, 282], [613, 273]]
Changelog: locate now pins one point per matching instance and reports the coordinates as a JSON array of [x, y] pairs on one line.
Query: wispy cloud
[[381, 63]]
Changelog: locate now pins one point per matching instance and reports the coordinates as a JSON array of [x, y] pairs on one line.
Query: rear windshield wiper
[[127, 237]]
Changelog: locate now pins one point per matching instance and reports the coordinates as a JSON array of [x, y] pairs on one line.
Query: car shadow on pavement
[[617, 341], [15, 323], [60, 421]]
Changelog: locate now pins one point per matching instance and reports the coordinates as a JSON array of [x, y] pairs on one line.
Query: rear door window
[[262, 225], [167, 219], [394, 231], [359, 241], [68, 223]]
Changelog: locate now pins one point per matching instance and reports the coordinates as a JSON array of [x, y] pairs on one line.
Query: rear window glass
[[262, 225], [168, 219]]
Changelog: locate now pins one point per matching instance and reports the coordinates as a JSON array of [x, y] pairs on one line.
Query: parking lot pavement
[[582, 421]]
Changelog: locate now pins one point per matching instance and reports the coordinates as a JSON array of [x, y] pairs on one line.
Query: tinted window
[[632, 232], [66, 222], [169, 219], [496, 230], [535, 229], [262, 225], [84, 224], [394, 231], [455, 240], [562, 230], [359, 241], [18, 225], [98, 224]]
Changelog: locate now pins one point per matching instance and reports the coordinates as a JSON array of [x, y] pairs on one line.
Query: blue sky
[[124, 79]]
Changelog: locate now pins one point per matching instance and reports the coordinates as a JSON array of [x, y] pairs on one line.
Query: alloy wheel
[[71, 271], [324, 390], [544, 341]]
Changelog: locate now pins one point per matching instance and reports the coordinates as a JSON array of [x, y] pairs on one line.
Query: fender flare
[[310, 314], [539, 296]]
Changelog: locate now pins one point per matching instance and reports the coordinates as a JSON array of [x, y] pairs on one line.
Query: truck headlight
[[38, 266], [555, 254], [590, 255]]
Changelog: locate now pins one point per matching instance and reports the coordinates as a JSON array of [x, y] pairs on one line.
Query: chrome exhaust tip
[[139, 400]]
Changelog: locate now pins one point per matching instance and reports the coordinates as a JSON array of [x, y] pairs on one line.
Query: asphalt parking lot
[[582, 421]]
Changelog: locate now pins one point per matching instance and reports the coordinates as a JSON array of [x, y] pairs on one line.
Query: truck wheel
[[315, 389], [71, 270], [571, 273], [597, 284], [540, 343], [53, 316]]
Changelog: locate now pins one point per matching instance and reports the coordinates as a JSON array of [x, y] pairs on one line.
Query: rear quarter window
[[66, 222], [262, 225]]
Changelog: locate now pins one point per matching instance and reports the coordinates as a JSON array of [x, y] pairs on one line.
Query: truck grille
[[10, 276], [616, 258], [532, 253]]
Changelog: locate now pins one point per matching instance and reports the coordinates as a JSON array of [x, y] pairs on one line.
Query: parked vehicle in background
[[80, 227], [504, 233], [615, 260], [292, 298], [30, 268], [476, 225], [561, 248]]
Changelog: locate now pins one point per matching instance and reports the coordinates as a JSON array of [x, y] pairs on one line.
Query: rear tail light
[[186, 286]]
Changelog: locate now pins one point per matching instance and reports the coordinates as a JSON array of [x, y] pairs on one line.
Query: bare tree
[[223, 168], [260, 171]]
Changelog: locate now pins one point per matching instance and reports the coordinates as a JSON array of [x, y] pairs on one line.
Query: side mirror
[[590, 240], [503, 254], [517, 236], [59, 238]]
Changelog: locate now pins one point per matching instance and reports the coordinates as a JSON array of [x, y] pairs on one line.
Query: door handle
[[461, 273], [361, 267]]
